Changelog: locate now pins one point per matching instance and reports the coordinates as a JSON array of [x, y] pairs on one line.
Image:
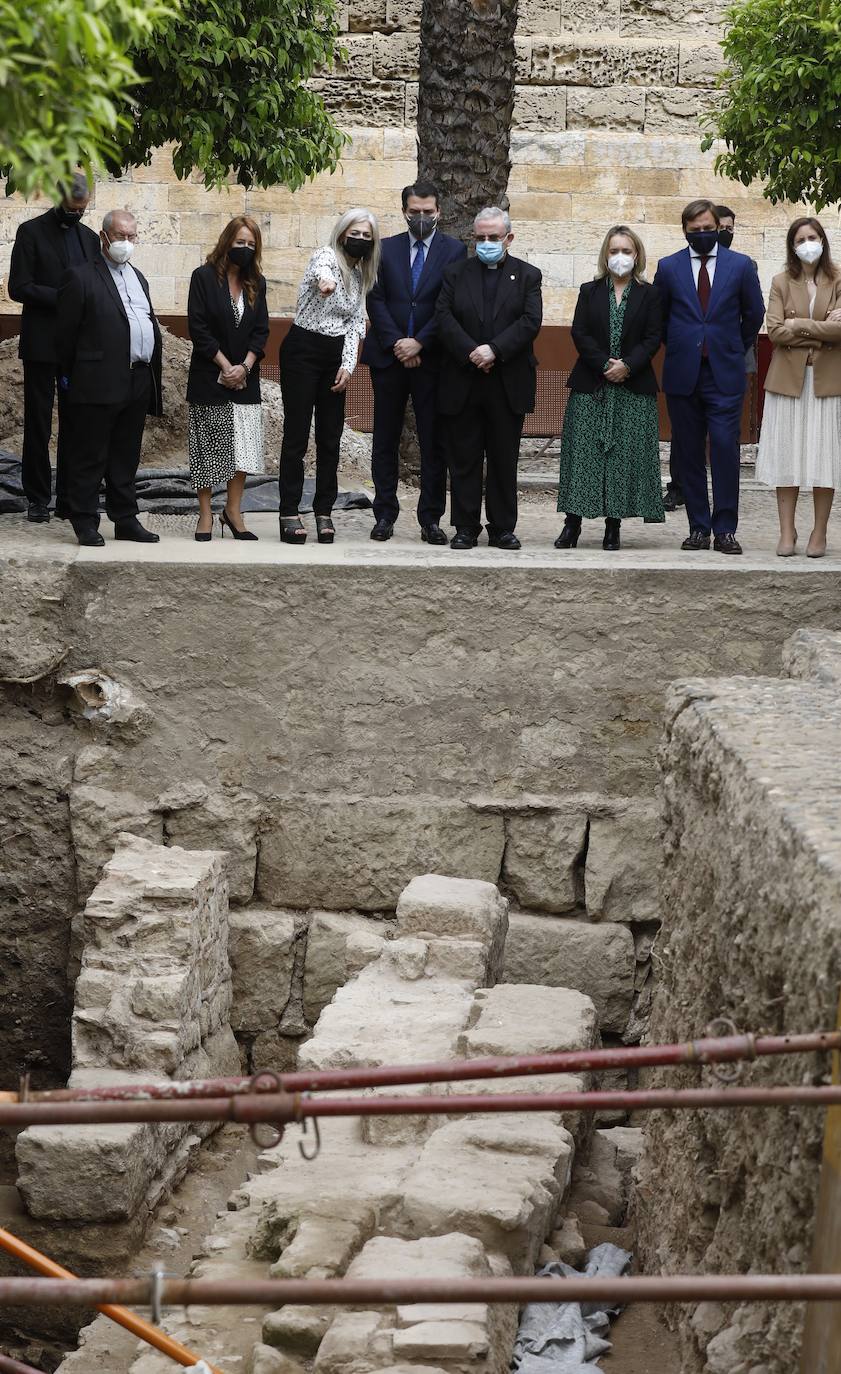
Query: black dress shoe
[[38, 514], [506, 540], [568, 537], [611, 535], [726, 543], [672, 498], [463, 539], [89, 536], [696, 539], [133, 530], [383, 530], [433, 534]]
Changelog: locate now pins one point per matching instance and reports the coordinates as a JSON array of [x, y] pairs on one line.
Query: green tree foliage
[[225, 83], [781, 95], [64, 75]]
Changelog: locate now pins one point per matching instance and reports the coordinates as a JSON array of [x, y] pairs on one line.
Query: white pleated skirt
[[800, 442]]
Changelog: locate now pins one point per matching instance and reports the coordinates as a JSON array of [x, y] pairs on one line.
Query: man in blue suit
[[712, 310], [401, 350]]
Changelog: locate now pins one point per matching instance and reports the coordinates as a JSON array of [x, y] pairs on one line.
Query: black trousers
[[392, 388], [487, 428], [308, 366], [103, 441], [39, 389]]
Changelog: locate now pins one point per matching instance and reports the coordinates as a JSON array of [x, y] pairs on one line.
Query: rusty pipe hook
[[306, 1153], [263, 1133]]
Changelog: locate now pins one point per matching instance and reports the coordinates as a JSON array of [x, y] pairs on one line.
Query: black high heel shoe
[[292, 530], [225, 519], [204, 536], [325, 529], [568, 537], [611, 535]]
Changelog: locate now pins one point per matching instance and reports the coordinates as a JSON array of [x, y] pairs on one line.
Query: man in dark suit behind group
[[43, 250], [402, 353], [489, 313], [109, 354]]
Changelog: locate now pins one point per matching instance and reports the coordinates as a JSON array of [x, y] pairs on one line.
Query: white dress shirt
[[138, 314], [696, 260]]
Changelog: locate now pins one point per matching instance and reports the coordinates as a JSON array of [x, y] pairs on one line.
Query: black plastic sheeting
[[169, 491]]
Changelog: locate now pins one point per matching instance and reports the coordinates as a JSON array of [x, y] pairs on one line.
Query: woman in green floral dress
[[610, 446]]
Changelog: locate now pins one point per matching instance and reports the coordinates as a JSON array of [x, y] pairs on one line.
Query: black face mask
[[703, 241], [725, 237], [241, 256], [421, 225], [68, 217], [359, 248]]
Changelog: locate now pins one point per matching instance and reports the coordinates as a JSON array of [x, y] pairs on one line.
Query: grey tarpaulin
[[169, 491], [568, 1337]]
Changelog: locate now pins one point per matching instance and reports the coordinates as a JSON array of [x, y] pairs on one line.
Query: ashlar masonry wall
[[751, 876], [609, 99]]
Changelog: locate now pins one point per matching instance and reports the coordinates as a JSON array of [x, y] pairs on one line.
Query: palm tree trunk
[[465, 103]]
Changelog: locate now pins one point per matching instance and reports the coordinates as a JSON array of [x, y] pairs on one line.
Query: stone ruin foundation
[[208, 866]]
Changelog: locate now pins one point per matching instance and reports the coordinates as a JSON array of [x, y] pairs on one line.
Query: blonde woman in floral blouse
[[317, 358]]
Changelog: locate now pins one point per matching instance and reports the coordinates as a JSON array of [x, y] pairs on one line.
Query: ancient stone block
[[522, 58], [364, 15], [369, 848], [358, 62], [262, 953], [499, 1179], [98, 815], [814, 656], [541, 856], [265, 1360], [372, 105], [396, 56], [670, 17], [539, 16], [539, 107], [616, 107], [299, 1330], [568, 1242], [404, 14], [355, 1340], [329, 960], [380, 1017], [434, 905], [623, 863], [594, 959], [327, 1237], [512, 1019], [676, 110], [86, 1173], [580, 64], [700, 63], [216, 820], [589, 16]]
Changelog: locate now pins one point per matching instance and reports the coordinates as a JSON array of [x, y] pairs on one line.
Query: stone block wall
[[609, 98], [152, 1001], [751, 903]]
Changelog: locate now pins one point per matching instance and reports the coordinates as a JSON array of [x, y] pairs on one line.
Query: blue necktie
[[417, 268]]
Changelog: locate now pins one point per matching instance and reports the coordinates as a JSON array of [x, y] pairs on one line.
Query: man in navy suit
[[401, 350], [712, 311]]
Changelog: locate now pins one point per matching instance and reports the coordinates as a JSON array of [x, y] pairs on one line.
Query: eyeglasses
[[490, 238]]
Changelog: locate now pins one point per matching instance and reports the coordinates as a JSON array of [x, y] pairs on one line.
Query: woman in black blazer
[[610, 445], [229, 325]]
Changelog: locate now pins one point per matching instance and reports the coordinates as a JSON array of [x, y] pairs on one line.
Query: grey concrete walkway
[[643, 546]]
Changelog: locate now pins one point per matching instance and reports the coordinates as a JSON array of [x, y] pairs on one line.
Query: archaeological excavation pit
[[243, 832]]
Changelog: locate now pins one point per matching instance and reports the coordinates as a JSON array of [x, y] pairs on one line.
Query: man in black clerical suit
[[488, 314], [43, 250]]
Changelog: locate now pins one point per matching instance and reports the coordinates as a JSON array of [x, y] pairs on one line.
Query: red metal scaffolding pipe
[[10, 1366], [723, 1049], [283, 1108], [274, 1293]]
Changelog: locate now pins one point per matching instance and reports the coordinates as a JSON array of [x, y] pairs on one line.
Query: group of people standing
[[456, 334]]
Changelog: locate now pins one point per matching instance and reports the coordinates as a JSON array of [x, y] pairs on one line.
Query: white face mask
[[620, 264], [809, 250], [120, 251]]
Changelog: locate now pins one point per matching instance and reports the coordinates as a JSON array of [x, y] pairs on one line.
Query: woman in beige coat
[[800, 443]]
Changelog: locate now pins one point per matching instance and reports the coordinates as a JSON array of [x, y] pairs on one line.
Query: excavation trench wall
[[339, 729], [752, 876]]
